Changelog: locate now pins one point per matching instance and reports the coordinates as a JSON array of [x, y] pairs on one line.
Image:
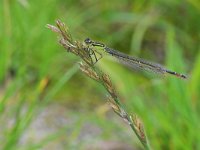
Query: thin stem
[[87, 67]]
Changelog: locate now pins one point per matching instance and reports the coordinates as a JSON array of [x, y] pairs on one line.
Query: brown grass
[[89, 69]]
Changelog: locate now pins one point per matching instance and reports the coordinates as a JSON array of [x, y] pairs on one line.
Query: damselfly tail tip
[[177, 74], [181, 76]]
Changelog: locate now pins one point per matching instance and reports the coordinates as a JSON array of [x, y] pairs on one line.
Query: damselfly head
[[88, 41]]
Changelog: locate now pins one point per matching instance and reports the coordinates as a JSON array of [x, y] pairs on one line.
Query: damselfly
[[129, 60]]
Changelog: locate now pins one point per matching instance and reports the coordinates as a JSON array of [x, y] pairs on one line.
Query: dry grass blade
[[88, 68], [89, 72]]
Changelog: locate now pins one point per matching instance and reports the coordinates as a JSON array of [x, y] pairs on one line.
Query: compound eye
[[88, 41]]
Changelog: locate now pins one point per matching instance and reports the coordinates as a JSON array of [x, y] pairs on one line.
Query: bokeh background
[[47, 103]]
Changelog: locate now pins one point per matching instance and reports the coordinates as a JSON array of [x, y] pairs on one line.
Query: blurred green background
[[47, 103]]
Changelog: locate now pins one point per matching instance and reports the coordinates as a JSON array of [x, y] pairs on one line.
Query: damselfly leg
[[93, 53]]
